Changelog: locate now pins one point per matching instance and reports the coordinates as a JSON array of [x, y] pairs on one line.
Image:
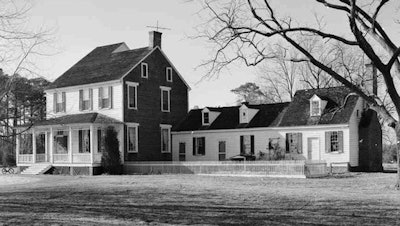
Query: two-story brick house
[[137, 91]]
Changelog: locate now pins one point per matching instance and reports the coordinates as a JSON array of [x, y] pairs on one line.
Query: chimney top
[[154, 39], [371, 78]]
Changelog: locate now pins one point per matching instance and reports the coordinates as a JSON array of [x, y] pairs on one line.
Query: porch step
[[38, 168]]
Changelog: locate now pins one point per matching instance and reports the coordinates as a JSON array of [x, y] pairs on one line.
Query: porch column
[[46, 151], [91, 143], [51, 151], [17, 145], [33, 146], [70, 144]]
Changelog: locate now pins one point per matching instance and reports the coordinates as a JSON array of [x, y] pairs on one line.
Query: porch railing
[[61, 158], [81, 158], [25, 158], [97, 158]]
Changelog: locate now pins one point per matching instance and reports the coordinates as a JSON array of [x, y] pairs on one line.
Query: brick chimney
[[154, 39], [371, 79]]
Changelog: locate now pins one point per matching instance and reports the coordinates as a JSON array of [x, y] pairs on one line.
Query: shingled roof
[[229, 118], [340, 105], [100, 65], [79, 119]]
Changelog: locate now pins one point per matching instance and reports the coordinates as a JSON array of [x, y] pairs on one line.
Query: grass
[[352, 199]]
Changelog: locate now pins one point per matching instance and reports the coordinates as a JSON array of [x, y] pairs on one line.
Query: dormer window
[[246, 114], [317, 105], [243, 116], [315, 108], [206, 118]]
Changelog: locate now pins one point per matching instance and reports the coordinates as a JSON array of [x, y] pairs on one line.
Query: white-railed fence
[[292, 168]]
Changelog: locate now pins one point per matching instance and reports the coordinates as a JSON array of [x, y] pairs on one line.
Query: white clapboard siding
[[354, 137], [261, 139], [72, 100]]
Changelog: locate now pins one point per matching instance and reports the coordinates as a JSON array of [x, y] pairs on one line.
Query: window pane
[[315, 108], [132, 139], [334, 141], [165, 100], [84, 141], [132, 96], [61, 142], [100, 141], [164, 140], [182, 151], [206, 117]]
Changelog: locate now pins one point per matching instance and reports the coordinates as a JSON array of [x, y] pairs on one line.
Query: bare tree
[[241, 29]]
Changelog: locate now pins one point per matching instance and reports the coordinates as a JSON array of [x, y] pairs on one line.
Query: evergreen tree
[[111, 159]]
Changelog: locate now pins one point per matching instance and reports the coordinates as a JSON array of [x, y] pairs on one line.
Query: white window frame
[[132, 84], [204, 121], [59, 101], [136, 127], [89, 99], [104, 89], [165, 127], [168, 89], [319, 108], [144, 75], [168, 69]]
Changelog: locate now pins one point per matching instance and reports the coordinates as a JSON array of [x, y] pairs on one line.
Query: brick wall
[[149, 114]]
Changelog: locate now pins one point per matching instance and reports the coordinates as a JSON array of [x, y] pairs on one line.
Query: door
[[313, 148]]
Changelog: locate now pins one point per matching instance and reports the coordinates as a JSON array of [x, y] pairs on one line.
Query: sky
[[81, 26]]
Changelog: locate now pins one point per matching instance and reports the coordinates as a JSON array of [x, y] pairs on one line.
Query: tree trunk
[[397, 130]]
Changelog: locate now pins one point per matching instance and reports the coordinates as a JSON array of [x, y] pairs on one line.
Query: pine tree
[[111, 159]]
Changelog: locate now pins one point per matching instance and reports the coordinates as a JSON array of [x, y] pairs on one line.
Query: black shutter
[[241, 145], [299, 143], [287, 143], [110, 96], [194, 145], [252, 144], [55, 102], [80, 100], [100, 97], [203, 147], [91, 98], [340, 141], [80, 141], [64, 102]]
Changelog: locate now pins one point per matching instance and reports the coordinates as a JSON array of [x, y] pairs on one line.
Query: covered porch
[[74, 140]]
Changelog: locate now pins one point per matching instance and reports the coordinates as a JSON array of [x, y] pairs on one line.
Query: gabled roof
[[229, 118], [101, 65], [79, 119], [340, 105]]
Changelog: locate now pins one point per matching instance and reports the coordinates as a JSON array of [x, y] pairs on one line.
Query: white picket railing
[[40, 157], [81, 158], [271, 168], [25, 158], [61, 158]]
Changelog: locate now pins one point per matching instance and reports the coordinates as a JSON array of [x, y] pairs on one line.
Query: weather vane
[[158, 27]]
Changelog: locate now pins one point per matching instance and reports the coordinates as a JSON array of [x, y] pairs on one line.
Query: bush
[[111, 158], [7, 155]]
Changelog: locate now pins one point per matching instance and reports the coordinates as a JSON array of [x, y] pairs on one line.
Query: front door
[[313, 148]]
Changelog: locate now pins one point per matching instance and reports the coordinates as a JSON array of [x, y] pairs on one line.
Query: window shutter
[[80, 100], [327, 142], [100, 97], [340, 141], [194, 145], [252, 144], [64, 101], [91, 98], [287, 143], [241, 145], [110, 96], [80, 141], [203, 147], [299, 143], [55, 102]]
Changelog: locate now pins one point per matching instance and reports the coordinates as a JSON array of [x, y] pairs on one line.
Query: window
[[105, 97], [133, 139], [182, 151], [244, 116], [334, 141], [61, 142], [294, 143], [165, 138], [199, 145], [221, 150], [168, 74], [315, 108], [59, 102], [206, 118], [144, 70], [247, 145], [84, 141], [100, 140], [132, 95], [165, 99], [85, 99]]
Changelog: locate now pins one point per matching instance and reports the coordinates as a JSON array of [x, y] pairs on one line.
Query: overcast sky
[[80, 26]]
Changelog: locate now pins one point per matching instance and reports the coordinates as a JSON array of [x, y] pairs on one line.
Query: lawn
[[353, 199]]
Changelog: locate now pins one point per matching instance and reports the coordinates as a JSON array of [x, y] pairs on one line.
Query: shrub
[[111, 158]]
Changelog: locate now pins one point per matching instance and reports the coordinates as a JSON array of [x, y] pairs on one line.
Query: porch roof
[[78, 119]]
